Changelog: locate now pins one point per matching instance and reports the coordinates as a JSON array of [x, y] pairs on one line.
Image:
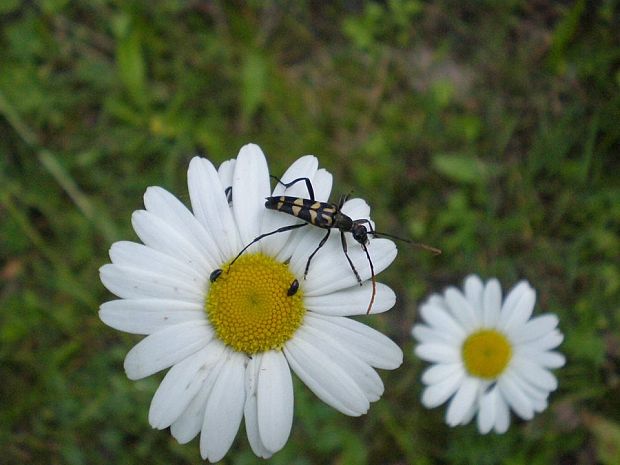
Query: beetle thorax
[[343, 222]]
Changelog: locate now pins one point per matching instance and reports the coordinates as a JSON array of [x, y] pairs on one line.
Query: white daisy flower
[[229, 344], [489, 357]]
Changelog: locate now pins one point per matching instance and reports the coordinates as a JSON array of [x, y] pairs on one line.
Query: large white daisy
[[230, 344], [489, 357]]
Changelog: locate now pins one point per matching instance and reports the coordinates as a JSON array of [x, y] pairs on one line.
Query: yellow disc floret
[[250, 306], [486, 353]]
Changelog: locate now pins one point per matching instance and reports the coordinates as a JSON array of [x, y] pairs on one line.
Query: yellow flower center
[[486, 353], [250, 304]]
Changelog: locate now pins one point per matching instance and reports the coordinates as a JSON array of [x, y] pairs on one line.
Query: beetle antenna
[[372, 277], [430, 248], [421, 245]]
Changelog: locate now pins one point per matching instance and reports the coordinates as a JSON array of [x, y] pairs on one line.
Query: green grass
[[488, 129]]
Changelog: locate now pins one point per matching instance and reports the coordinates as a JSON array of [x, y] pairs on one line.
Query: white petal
[[544, 359], [437, 394], [250, 187], [164, 348], [250, 409], [462, 310], [133, 255], [442, 371], [502, 413], [368, 344], [474, 289], [306, 241], [156, 233], [189, 423], [515, 397], [512, 300], [438, 353], [549, 341], [210, 205], [181, 384], [356, 209], [325, 378], [534, 374], [535, 328], [131, 283], [352, 301], [438, 301], [462, 401], [167, 207], [540, 405], [364, 376], [304, 167], [521, 313], [487, 411], [145, 316], [491, 303], [274, 400], [224, 409], [426, 334], [469, 414], [330, 271], [322, 184], [226, 172], [441, 320], [536, 395]]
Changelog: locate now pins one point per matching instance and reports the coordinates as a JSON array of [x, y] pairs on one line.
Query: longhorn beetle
[[326, 216]]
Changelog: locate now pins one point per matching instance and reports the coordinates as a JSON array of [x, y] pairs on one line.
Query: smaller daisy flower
[[489, 357]]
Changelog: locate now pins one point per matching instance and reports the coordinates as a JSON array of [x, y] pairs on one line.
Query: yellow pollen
[[486, 353], [249, 306]]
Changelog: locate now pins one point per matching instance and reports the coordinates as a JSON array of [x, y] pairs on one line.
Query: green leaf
[[564, 32], [131, 67], [461, 168], [253, 84]]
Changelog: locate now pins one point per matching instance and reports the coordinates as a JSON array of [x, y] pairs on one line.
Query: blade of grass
[[83, 203], [50, 162], [74, 287]]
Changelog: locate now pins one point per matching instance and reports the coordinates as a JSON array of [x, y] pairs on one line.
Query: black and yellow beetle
[[324, 215]]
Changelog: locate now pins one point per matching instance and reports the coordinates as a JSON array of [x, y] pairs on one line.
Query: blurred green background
[[488, 129]]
